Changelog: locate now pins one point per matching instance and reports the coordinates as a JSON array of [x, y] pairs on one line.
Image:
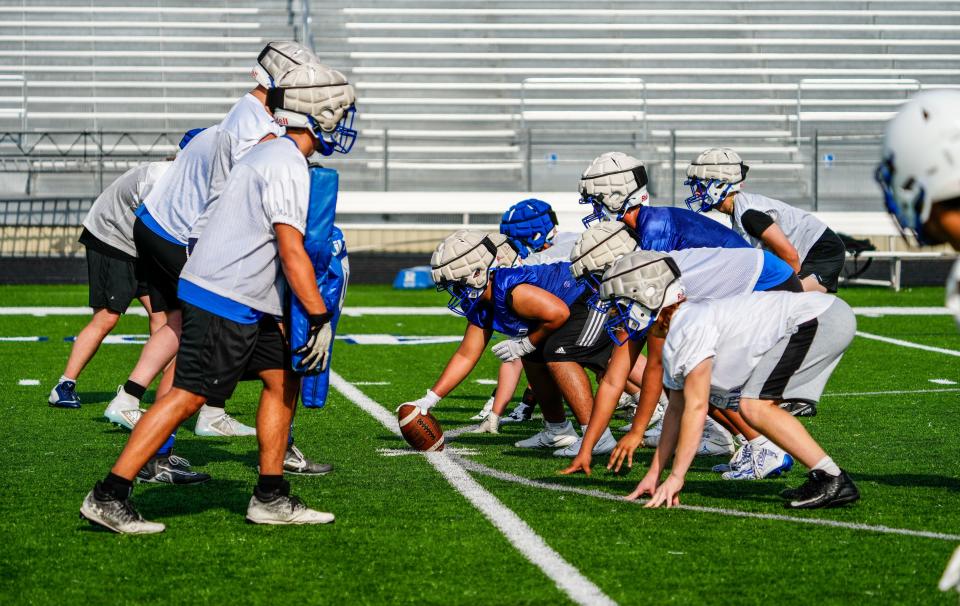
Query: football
[[421, 431]]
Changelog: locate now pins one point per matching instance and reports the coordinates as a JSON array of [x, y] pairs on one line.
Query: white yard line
[[902, 343], [435, 311], [567, 578], [895, 392], [509, 477]]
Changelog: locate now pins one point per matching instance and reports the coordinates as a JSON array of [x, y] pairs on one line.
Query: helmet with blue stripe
[[530, 226], [714, 175]]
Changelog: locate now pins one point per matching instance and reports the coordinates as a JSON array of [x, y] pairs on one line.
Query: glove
[[425, 403], [512, 349], [490, 424], [317, 348]]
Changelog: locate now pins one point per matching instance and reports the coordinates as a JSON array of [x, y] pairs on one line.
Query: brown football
[[422, 432]]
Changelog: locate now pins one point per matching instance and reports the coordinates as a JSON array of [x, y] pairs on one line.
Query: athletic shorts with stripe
[[581, 339], [798, 367]]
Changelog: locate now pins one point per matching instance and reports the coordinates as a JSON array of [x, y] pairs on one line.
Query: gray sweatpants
[[799, 365]]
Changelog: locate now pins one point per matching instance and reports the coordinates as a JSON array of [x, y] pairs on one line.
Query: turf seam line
[[509, 477], [567, 578], [911, 344]]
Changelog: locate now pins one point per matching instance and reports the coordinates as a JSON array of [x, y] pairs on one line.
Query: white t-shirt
[[180, 195], [801, 228], [735, 332], [237, 257], [244, 126], [111, 217], [559, 251], [717, 273]]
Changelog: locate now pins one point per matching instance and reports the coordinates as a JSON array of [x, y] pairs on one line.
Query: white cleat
[[604, 445], [764, 461], [651, 437], [716, 440], [483, 412], [739, 458], [661, 408], [124, 409], [951, 575], [210, 424], [283, 510], [491, 424], [116, 515], [548, 438]]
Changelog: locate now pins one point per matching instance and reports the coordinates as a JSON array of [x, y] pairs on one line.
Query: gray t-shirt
[[801, 228], [237, 257], [111, 217]]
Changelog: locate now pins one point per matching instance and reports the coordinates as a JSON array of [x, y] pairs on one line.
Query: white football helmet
[[320, 99], [715, 174], [597, 249], [613, 184], [277, 58], [461, 266], [921, 159], [638, 285], [507, 255]]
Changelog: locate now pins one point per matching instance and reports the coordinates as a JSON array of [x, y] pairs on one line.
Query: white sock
[[827, 466], [210, 412], [556, 427], [758, 441], [66, 378]]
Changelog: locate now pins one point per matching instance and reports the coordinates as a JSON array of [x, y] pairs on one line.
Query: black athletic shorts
[[111, 275], [581, 339], [216, 353], [160, 262], [791, 284], [825, 260]]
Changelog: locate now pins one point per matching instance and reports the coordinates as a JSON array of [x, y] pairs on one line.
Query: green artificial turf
[[404, 536]]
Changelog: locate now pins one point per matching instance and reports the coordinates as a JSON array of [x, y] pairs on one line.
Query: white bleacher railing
[[904, 87], [13, 107]]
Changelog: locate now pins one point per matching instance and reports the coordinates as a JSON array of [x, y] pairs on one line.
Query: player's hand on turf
[[511, 349], [490, 424], [580, 463], [627, 445], [667, 494], [316, 350], [648, 485]]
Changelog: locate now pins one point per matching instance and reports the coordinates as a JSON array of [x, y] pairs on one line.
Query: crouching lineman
[[814, 251], [552, 331], [231, 295], [920, 175], [530, 227], [769, 345], [709, 273], [111, 269]]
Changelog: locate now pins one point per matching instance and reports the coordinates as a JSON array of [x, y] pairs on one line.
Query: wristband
[[318, 320]]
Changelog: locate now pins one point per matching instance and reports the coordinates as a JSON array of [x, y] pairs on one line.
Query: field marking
[[23, 339], [434, 311], [509, 477], [943, 381], [895, 392], [371, 382], [911, 344], [28, 382], [567, 578]]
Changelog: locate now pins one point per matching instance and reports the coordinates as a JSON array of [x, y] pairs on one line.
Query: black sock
[[134, 389], [216, 404], [117, 487], [529, 398], [269, 486]]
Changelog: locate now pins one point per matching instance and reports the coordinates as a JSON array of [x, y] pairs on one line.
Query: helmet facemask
[[465, 290], [637, 290], [907, 212]]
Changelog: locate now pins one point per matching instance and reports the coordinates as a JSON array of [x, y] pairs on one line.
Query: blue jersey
[[665, 228], [497, 315]]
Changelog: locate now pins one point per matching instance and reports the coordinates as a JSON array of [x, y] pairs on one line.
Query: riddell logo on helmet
[[281, 121], [643, 198]]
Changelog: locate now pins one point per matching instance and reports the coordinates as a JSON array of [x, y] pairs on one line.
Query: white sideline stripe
[[889, 393], [28, 382], [438, 311], [580, 589], [942, 381], [902, 343], [509, 477]]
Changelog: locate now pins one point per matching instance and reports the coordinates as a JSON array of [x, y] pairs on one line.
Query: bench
[[896, 259]]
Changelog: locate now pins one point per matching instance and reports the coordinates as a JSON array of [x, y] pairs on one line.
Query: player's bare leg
[[507, 380], [89, 340], [782, 429], [558, 431], [159, 349], [277, 402], [577, 391], [811, 284]]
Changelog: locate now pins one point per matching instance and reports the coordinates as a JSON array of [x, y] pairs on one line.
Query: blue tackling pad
[[325, 247]]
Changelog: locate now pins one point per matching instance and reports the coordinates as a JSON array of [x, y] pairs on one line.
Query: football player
[[709, 273], [166, 225], [543, 311], [230, 288], [768, 346], [112, 274], [812, 249], [531, 228], [920, 175]]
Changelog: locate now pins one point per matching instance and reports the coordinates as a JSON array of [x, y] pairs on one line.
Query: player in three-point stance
[[231, 292], [770, 346], [552, 331]]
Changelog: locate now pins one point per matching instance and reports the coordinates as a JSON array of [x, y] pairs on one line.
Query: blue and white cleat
[[766, 461], [64, 395]]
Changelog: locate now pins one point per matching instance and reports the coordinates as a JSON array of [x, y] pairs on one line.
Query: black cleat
[[800, 409], [170, 469], [822, 490]]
